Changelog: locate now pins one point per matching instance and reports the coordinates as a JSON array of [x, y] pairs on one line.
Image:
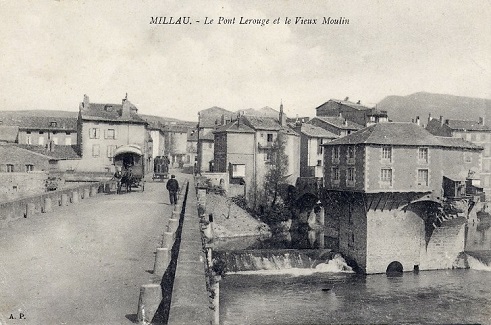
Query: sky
[[53, 52]]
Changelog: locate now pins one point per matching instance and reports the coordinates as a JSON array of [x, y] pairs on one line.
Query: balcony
[[266, 146]]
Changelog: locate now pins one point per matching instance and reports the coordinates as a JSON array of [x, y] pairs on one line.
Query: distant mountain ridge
[[406, 108]]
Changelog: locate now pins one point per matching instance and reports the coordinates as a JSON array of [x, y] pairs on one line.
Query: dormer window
[[108, 108], [53, 124]]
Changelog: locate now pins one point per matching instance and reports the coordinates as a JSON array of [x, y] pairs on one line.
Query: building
[[208, 120], [192, 148], [243, 149], [8, 134], [473, 131], [354, 112], [336, 125], [391, 192], [104, 127], [176, 137], [311, 150], [40, 130], [158, 138]]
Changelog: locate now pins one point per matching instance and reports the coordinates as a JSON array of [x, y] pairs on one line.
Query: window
[[96, 150], [319, 162], [335, 155], [110, 134], [319, 146], [423, 155], [10, 168], [110, 151], [351, 154], [238, 171], [350, 176], [68, 141], [52, 124], [94, 133], [270, 137], [29, 168], [386, 176], [423, 177], [28, 140], [67, 133], [387, 154], [335, 174]]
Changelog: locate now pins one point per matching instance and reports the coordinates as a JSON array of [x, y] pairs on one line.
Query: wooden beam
[[385, 203], [381, 196]]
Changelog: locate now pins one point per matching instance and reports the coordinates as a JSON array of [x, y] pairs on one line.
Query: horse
[[127, 180]]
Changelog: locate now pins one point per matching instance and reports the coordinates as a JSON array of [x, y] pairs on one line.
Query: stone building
[[102, 128], [385, 199], [335, 124], [473, 131], [354, 112]]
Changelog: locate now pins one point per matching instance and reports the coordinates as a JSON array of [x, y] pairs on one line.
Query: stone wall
[[16, 185]]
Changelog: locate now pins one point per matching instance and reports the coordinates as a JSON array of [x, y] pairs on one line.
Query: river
[[307, 296]]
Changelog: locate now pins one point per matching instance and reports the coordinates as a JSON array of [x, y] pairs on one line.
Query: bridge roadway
[[83, 263]]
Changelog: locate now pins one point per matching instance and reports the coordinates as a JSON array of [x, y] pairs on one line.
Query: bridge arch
[[394, 268]]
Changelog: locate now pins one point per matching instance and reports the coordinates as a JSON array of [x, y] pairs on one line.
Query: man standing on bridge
[[173, 188]]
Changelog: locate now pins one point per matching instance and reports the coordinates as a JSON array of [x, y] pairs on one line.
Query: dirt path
[[84, 263]]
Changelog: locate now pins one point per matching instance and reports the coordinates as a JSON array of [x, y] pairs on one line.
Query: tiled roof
[[175, 128], [59, 152], [8, 133], [339, 122], [41, 122], [109, 112], [394, 133], [235, 127], [458, 143], [466, 125], [263, 123], [209, 116], [192, 135], [315, 131], [346, 103]]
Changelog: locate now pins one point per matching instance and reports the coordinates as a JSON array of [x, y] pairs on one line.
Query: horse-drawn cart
[[129, 160], [160, 168]]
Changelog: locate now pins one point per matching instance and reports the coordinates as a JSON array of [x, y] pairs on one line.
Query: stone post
[[64, 199], [173, 224], [48, 205], [162, 259], [168, 240], [30, 209], [150, 299], [75, 197]]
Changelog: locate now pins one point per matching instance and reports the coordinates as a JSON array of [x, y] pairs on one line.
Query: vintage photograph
[[245, 162]]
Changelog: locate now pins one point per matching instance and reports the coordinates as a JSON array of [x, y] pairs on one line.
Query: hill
[[405, 108]]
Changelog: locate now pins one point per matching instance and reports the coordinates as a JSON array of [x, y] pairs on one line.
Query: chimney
[[282, 117], [85, 104], [125, 111], [429, 117], [481, 120], [441, 120], [446, 121], [222, 120], [417, 120], [345, 122], [358, 102]]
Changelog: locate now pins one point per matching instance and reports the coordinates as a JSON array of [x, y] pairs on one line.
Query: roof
[[347, 103], [315, 131], [207, 136], [209, 116], [8, 133], [235, 127], [339, 122], [41, 122], [192, 135], [393, 133], [110, 112], [458, 143], [59, 152], [175, 128], [466, 125]]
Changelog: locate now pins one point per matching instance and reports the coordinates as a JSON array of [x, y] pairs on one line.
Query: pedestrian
[[173, 188]]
